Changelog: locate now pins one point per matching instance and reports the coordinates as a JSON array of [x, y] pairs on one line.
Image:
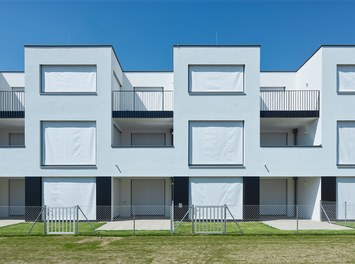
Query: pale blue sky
[[143, 32]]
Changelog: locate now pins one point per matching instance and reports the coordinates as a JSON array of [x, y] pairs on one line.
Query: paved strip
[[139, 225], [291, 224], [8, 222]]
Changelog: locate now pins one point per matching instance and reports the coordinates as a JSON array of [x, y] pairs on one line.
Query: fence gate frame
[[209, 219], [61, 220]]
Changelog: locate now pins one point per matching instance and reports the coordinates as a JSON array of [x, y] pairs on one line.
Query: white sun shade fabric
[[68, 78], [216, 78], [346, 78], [346, 143], [216, 143], [218, 191], [68, 192], [69, 143], [345, 193]]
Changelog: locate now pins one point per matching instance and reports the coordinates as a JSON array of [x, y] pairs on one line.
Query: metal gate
[[209, 219], [61, 220]]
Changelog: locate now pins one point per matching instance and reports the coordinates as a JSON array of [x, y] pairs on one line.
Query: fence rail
[[12, 101], [141, 100], [292, 100]]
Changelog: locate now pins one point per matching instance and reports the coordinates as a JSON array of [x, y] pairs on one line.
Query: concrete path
[[291, 224], [7, 222], [141, 224]]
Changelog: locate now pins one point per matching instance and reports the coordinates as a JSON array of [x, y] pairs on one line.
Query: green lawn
[[178, 249]]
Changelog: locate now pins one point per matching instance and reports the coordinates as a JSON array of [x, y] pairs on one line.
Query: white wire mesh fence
[[326, 217]]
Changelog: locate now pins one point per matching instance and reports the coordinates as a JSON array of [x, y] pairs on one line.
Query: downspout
[[295, 132]]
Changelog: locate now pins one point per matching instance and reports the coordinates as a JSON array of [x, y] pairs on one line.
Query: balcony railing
[[296, 103], [12, 104], [142, 100]]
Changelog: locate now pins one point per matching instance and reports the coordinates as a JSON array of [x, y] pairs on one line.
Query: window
[[69, 143], [148, 139], [216, 143], [216, 78], [346, 143], [346, 78], [16, 139], [68, 78], [273, 139]]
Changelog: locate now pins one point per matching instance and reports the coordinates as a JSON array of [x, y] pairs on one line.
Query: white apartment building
[[76, 129]]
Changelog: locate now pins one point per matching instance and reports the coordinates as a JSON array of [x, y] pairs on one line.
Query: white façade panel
[[345, 193], [218, 191], [346, 143], [68, 78], [216, 143], [68, 192], [216, 78], [69, 143], [346, 78], [273, 196]]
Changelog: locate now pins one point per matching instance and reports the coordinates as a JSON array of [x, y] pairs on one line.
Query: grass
[[178, 249]]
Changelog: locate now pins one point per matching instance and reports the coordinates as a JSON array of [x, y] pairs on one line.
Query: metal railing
[[12, 101], [292, 100], [132, 100]]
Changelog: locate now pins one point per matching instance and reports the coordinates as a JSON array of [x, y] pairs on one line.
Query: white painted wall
[[309, 196], [278, 79]]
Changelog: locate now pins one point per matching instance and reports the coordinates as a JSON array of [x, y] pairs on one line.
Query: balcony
[[291, 103], [141, 103], [12, 104]]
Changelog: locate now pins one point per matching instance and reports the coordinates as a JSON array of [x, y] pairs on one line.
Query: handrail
[[290, 100], [130, 100], [12, 101]]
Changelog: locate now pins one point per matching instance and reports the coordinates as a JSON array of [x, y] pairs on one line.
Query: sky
[[142, 32]]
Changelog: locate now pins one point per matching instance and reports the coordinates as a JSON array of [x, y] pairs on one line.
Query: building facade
[[76, 129]]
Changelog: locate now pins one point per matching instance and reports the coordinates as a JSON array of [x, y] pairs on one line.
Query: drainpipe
[[295, 132], [295, 180]]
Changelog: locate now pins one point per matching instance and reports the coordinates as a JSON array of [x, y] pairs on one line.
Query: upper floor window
[[68, 78], [346, 146], [346, 78], [216, 143], [68, 143], [216, 78]]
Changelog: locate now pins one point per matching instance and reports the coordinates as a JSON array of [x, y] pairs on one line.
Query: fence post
[[193, 219], [172, 218], [225, 219], [297, 217], [134, 220], [44, 209], [345, 215]]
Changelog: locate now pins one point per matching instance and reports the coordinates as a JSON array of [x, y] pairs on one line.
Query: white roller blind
[[69, 143], [216, 78], [67, 79], [273, 196], [346, 143], [218, 191], [346, 78], [68, 192], [216, 143]]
